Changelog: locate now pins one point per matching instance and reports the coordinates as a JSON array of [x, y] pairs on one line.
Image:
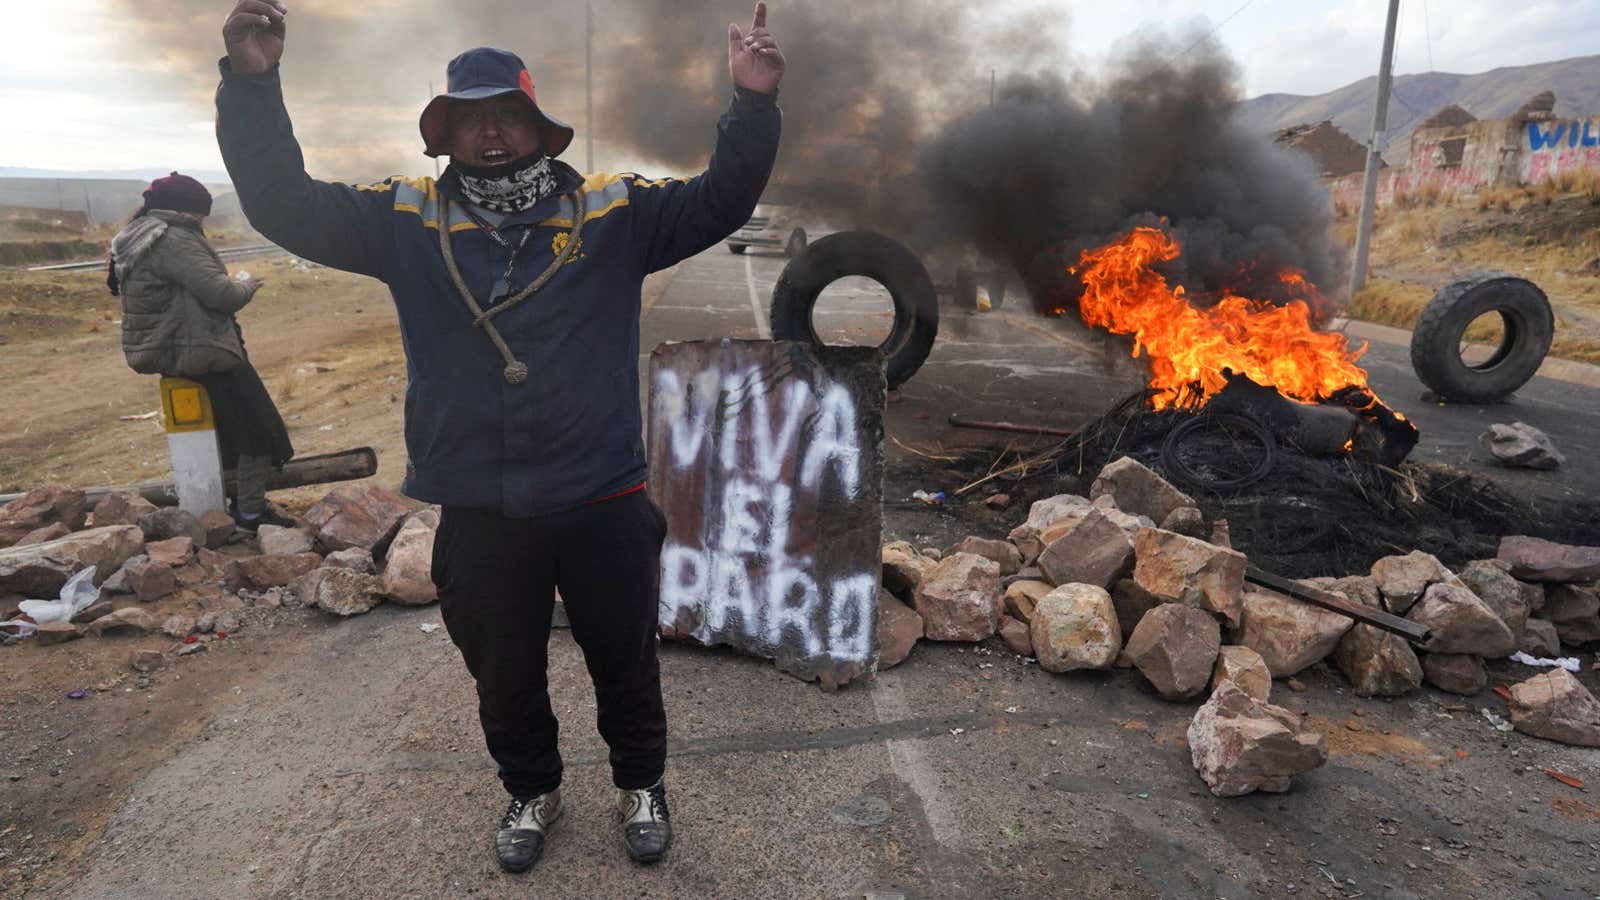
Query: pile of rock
[[1134, 576], [144, 554]]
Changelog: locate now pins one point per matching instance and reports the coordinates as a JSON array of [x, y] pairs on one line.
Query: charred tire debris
[[1529, 327], [886, 261]]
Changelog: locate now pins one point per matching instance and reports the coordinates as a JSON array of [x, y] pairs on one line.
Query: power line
[[1218, 27], [1427, 34]]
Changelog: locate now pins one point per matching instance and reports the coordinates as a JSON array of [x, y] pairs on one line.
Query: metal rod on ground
[[962, 422], [1411, 631], [348, 465], [1369, 185]]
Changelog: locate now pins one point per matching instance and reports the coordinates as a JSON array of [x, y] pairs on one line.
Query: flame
[[1189, 348]]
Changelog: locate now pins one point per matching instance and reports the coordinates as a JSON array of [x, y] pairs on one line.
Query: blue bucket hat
[[481, 73]]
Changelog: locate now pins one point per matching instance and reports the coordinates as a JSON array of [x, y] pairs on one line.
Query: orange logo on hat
[[525, 81]]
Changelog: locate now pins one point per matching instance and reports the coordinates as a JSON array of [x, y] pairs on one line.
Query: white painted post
[[192, 445]]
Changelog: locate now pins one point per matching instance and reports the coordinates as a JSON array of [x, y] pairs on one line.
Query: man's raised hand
[[254, 34], [754, 59]]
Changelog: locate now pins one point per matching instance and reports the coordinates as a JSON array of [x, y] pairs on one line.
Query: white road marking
[[911, 765], [763, 327]]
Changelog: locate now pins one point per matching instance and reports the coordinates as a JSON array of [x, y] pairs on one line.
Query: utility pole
[[991, 86], [1369, 186], [435, 159], [588, 83]]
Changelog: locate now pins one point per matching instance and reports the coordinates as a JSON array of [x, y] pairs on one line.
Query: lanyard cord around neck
[[516, 372]]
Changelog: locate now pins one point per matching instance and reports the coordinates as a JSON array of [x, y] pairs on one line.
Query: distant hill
[[1489, 95], [209, 176]]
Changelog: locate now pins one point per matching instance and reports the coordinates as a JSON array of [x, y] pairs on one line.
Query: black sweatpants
[[497, 579]]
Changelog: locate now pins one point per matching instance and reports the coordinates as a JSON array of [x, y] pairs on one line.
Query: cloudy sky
[[114, 84]]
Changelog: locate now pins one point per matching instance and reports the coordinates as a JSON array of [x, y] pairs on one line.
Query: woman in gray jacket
[[178, 307]]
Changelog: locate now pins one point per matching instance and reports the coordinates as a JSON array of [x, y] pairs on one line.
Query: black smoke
[[1052, 168], [888, 102]]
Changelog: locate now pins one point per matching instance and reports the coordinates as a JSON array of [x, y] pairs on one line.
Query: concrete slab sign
[[767, 458]]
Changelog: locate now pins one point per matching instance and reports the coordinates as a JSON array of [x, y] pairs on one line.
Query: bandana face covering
[[510, 188]]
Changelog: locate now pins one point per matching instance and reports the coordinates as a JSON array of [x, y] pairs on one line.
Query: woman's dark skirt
[[248, 423]]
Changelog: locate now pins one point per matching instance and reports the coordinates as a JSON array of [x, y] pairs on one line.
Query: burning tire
[[836, 256], [1527, 328]]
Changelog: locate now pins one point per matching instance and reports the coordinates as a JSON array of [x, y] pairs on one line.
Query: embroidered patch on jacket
[[559, 243]]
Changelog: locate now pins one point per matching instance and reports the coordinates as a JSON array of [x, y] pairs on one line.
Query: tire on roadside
[[1529, 328], [884, 260]]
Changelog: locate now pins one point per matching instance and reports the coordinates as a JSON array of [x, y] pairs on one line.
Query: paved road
[[352, 766]]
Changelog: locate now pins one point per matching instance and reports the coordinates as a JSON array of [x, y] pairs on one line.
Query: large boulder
[[1043, 514], [1139, 490], [1491, 580], [39, 570], [276, 540], [1004, 553], [1180, 569], [50, 532], [149, 580], [1457, 673], [904, 568], [122, 508], [408, 567], [1574, 611], [1075, 627], [39, 508], [1540, 639], [1022, 596], [1404, 579], [959, 600], [343, 592], [1522, 446], [171, 522], [1245, 668], [132, 621], [56, 633], [175, 552], [1378, 663], [1290, 635], [1535, 559], [1461, 623], [355, 558], [1132, 603], [258, 573], [1240, 744], [1094, 551], [357, 515], [1017, 636], [899, 629], [1175, 647], [1557, 707]]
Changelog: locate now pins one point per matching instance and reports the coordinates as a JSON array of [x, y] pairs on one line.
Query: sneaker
[[251, 523], [520, 840], [646, 829]]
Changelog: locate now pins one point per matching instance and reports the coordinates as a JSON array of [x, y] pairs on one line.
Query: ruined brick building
[[1455, 152]]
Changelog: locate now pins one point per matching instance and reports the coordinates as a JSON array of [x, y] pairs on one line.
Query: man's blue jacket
[[572, 432]]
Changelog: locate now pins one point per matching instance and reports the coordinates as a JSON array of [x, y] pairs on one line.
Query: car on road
[[790, 216]]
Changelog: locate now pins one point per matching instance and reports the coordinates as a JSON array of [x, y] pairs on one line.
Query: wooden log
[[347, 465], [1377, 618]]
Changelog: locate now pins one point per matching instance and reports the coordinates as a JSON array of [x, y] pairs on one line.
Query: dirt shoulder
[[1550, 239], [327, 345]]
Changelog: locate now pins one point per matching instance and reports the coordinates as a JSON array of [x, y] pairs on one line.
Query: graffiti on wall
[[1556, 148], [767, 459]]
